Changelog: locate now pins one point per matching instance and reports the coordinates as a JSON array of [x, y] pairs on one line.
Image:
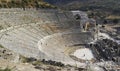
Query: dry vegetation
[[25, 4]]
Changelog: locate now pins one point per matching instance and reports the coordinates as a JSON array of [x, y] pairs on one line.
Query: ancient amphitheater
[[45, 34]]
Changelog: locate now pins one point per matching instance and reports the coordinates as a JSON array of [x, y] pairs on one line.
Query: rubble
[[106, 50]]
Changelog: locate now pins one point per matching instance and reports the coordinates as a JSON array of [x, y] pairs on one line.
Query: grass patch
[[37, 63], [6, 69]]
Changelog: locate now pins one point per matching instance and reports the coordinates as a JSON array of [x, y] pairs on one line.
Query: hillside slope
[[86, 5], [25, 4], [63, 1]]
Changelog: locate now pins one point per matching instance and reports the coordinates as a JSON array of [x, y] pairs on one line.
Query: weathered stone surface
[[43, 34]]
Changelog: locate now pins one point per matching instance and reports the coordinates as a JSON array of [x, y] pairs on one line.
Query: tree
[[36, 5]]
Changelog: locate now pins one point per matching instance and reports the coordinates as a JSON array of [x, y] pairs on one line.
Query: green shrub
[[1, 46], [27, 60], [1, 27]]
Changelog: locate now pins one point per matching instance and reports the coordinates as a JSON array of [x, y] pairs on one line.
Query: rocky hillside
[[65, 1], [25, 4], [86, 5]]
